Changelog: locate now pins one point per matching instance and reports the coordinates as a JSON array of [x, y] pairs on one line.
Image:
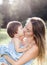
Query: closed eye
[[28, 30]]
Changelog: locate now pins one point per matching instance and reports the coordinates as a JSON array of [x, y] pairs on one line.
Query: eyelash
[[28, 30]]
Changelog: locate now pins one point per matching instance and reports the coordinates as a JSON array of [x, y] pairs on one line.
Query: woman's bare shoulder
[[33, 51]]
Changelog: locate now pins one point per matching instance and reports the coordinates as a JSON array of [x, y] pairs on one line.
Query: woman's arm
[[28, 55], [10, 60]]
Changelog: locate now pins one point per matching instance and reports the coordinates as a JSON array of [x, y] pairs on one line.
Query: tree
[[6, 12], [1, 19]]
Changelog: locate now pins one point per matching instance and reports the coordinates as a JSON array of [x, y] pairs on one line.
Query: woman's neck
[[30, 39]]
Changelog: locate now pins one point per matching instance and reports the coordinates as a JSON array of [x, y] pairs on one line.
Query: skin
[[18, 48], [17, 42], [33, 51], [19, 32]]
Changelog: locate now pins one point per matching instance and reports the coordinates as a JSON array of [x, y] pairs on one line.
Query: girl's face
[[28, 29], [20, 30]]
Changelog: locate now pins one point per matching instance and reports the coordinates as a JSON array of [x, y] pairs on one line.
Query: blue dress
[[10, 50]]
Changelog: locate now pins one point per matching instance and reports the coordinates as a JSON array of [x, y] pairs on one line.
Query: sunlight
[[10, 1], [1, 1]]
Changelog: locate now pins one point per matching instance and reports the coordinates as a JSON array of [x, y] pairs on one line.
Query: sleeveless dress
[[10, 50]]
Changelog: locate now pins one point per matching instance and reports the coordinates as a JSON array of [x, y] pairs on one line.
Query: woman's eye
[[28, 30]]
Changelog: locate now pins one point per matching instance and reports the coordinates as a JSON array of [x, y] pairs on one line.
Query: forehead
[[28, 25]]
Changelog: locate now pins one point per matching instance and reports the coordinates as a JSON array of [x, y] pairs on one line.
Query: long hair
[[39, 35]]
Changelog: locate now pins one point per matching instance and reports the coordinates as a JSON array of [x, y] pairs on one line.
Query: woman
[[35, 32]]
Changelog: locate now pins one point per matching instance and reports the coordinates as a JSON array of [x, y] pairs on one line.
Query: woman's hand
[[27, 56]]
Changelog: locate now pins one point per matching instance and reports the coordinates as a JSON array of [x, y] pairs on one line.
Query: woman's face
[[28, 29]]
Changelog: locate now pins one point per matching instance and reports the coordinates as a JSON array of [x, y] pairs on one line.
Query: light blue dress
[[10, 50]]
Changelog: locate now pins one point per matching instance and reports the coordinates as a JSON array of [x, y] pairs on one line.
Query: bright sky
[[10, 1]]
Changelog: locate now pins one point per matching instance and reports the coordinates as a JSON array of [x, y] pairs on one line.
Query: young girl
[[15, 31]]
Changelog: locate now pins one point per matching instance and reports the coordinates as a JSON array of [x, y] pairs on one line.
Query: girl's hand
[[4, 64]]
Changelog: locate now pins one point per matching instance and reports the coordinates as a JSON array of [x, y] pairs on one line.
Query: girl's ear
[[16, 35]]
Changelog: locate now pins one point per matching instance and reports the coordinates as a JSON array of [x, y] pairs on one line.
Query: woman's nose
[[24, 29]]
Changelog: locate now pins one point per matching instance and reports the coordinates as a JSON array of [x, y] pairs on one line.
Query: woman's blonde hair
[[38, 25]]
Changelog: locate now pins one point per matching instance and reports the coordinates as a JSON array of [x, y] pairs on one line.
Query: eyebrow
[[28, 29]]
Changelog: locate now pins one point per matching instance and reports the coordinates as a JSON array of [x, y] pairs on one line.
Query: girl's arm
[[4, 64], [17, 46], [28, 55]]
